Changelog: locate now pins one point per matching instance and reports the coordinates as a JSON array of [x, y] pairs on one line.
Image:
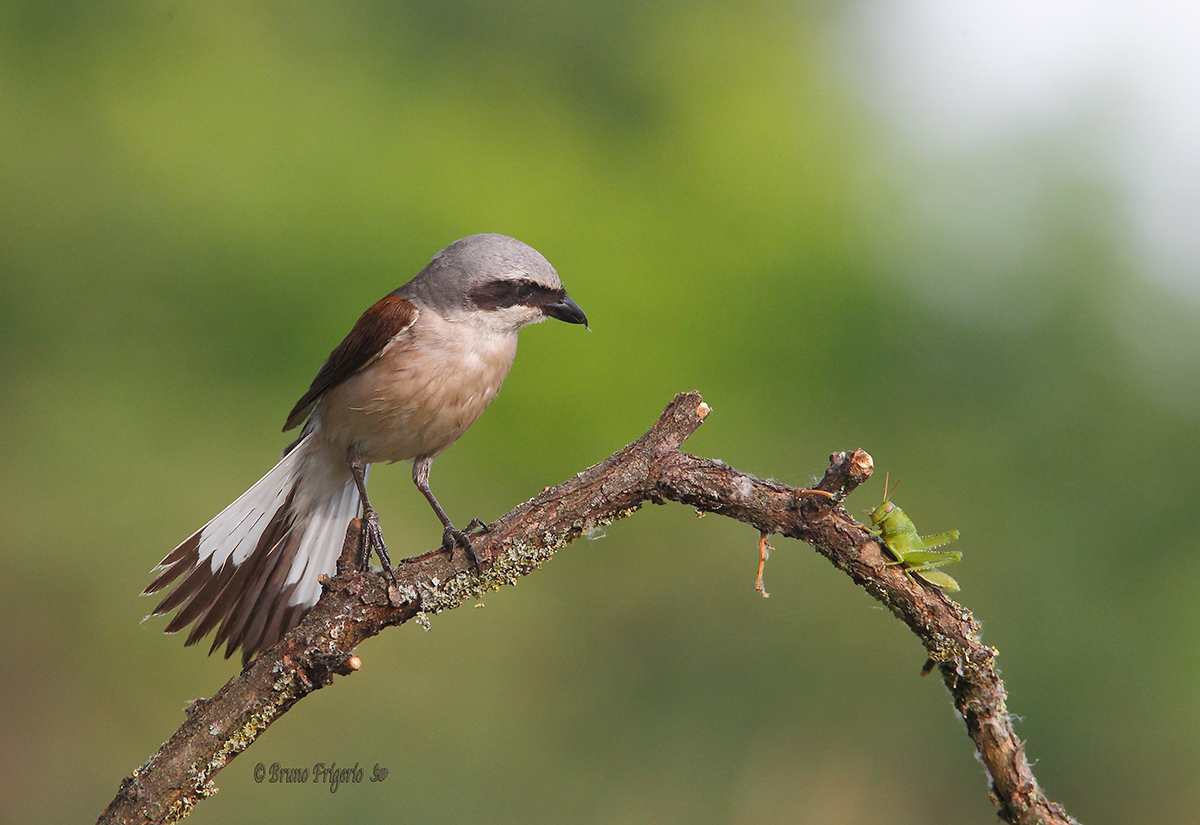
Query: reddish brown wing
[[378, 325]]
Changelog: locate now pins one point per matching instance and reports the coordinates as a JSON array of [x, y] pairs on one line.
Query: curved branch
[[358, 605]]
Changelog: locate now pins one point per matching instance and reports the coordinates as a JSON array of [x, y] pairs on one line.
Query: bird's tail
[[253, 569]]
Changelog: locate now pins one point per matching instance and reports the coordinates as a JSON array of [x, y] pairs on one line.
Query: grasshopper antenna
[[887, 494]]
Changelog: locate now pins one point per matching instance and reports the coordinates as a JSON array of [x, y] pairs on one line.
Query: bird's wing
[[381, 323]]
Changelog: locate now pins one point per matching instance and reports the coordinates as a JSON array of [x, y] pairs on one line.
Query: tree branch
[[358, 605]]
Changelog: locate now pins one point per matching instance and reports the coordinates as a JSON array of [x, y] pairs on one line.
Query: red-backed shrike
[[413, 374]]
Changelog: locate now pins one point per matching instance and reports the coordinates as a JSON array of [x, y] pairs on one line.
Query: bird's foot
[[453, 537], [372, 541]]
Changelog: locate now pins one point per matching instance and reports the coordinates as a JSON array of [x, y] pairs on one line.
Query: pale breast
[[427, 388]]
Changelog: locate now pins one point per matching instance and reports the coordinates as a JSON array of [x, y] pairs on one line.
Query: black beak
[[564, 309]]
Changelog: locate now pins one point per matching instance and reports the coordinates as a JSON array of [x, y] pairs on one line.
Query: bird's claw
[[477, 526], [453, 537], [372, 540]]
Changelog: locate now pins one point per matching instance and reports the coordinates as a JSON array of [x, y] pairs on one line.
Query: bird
[[415, 371]]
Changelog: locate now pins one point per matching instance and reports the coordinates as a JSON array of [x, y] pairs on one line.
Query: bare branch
[[358, 605]]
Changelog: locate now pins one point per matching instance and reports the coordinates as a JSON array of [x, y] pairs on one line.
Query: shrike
[[413, 374]]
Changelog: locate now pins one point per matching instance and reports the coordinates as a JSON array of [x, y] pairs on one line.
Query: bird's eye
[[508, 292]]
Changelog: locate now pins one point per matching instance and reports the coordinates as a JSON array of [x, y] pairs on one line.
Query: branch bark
[[357, 605]]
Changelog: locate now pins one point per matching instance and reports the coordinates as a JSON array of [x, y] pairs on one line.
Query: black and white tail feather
[[252, 571]]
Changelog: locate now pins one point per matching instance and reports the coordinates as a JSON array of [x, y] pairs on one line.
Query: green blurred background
[[197, 200]]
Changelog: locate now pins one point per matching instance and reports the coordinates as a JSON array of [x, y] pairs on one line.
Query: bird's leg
[[372, 533], [451, 536]]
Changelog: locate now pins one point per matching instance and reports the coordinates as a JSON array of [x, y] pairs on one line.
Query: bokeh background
[[960, 235]]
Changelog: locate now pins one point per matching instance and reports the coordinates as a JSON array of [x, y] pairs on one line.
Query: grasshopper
[[914, 553]]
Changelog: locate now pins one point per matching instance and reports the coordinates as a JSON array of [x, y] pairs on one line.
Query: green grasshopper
[[914, 553]]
